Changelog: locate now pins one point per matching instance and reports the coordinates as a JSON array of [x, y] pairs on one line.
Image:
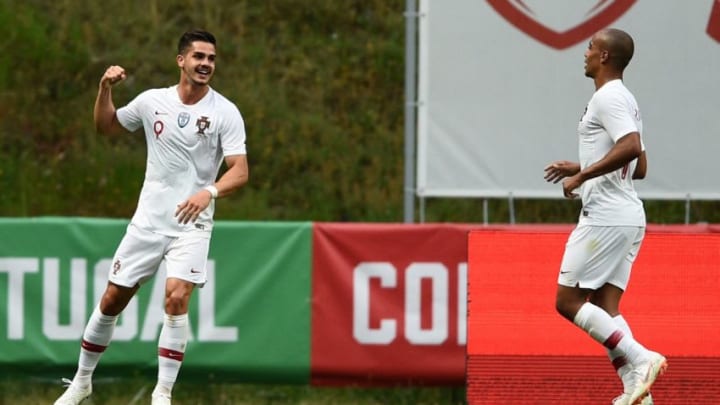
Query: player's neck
[[191, 93], [601, 79]]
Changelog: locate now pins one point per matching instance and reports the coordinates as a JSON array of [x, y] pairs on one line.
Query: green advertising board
[[251, 321]]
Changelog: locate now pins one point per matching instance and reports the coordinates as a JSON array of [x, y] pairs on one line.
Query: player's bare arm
[[623, 152], [104, 111], [641, 168], [560, 169], [234, 177]]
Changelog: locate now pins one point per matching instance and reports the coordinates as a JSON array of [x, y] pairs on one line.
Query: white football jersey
[[609, 199], [185, 149]]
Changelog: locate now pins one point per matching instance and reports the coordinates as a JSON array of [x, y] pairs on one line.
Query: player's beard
[[192, 74]]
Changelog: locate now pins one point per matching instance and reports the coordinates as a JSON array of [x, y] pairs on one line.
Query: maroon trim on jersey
[[618, 362], [170, 354], [92, 347], [613, 339]]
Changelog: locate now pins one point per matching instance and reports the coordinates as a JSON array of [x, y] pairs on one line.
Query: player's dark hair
[[191, 36], [621, 47]]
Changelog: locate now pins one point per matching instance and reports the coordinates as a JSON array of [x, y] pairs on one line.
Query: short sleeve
[[616, 115], [130, 116], [232, 133]]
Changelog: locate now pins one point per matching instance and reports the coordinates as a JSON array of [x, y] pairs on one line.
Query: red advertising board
[[389, 304], [520, 350]]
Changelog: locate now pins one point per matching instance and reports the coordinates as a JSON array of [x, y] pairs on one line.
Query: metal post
[[486, 212], [511, 208], [410, 108], [687, 209]]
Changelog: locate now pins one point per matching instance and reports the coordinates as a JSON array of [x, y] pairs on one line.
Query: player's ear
[[180, 60], [604, 56]]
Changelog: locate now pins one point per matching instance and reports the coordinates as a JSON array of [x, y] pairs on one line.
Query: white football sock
[[96, 338], [621, 364], [601, 327], [171, 350]]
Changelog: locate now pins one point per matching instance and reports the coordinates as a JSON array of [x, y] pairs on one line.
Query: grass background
[[320, 85], [131, 391]]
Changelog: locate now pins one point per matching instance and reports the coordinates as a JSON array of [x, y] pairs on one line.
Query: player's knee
[[566, 307], [110, 306], [115, 299], [176, 303], [560, 306]]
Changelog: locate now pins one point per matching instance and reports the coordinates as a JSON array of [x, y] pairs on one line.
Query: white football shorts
[[596, 255], [141, 252]]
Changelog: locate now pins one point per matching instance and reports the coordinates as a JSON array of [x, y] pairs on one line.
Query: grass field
[[137, 391]]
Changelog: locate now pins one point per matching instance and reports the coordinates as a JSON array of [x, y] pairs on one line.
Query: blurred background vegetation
[[320, 85]]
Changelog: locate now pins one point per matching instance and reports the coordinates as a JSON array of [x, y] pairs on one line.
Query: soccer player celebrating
[[190, 129], [600, 251]]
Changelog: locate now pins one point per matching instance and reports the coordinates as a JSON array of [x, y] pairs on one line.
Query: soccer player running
[[190, 129], [600, 251]]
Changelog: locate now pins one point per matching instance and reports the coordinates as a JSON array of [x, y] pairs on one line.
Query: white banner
[[502, 87]]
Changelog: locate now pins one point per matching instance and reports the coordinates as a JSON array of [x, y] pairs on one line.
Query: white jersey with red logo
[[610, 199], [186, 145]]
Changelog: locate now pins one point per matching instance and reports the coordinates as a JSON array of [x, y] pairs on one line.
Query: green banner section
[[250, 323]]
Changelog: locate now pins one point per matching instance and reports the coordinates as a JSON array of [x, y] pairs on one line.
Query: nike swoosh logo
[[195, 271], [564, 272], [160, 113]]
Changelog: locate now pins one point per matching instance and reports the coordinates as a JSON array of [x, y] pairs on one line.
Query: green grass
[[137, 391]]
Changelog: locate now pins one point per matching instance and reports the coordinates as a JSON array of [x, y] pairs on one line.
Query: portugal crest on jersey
[[183, 119], [202, 124]]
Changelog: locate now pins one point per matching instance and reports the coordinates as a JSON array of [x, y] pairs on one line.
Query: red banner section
[[521, 351], [389, 304]]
